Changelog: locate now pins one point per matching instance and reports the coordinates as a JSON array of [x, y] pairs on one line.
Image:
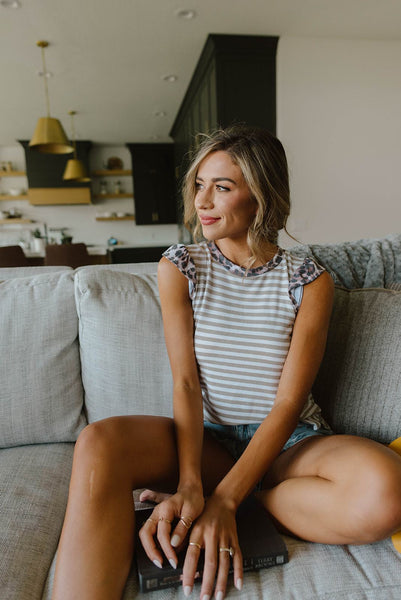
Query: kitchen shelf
[[130, 218], [11, 197], [12, 174], [112, 173], [124, 195], [15, 221]]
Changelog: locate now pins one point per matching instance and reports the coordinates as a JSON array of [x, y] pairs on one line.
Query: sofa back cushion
[[125, 368], [359, 383], [14, 272], [41, 394]]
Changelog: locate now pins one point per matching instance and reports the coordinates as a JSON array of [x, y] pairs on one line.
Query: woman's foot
[[151, 496]]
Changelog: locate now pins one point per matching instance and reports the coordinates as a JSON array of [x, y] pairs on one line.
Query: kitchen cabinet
[[233, 82], [154, 186], [46, 185]]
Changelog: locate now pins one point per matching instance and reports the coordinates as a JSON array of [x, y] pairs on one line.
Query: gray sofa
[[78, 346]]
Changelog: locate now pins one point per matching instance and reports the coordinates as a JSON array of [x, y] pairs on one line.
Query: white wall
[[81, 220], [339, 117]]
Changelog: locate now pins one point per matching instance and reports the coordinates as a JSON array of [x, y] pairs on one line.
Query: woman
[[245, 326]]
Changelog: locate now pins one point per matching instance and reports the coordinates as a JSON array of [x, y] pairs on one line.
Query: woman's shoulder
[[185, 257], [302, 270]]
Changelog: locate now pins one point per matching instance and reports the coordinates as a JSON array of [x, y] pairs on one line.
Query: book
[[261, 546]]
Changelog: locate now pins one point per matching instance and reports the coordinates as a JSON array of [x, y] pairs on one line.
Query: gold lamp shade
[[75, 171], [49, 136]]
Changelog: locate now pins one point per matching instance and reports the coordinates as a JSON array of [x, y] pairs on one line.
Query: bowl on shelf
[[15, 191], [114, 163]]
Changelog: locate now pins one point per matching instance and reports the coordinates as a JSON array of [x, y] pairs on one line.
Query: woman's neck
[[240, 253]]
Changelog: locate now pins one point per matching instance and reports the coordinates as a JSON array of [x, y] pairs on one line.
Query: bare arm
[[188, 501], [187, 399]]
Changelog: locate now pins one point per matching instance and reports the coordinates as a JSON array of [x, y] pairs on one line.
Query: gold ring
[[230, 550], [185, 522], [151, 520], [164, 519], [195, 544]]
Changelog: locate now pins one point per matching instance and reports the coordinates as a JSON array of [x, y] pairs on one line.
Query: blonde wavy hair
[[262, 160]]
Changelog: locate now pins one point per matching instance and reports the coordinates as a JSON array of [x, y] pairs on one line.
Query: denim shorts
[[235, 438]]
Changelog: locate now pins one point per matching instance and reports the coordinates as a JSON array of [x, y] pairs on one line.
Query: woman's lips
[[208, 220]]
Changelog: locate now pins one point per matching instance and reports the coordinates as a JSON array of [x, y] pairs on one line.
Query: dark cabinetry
[[45, 176], [234, 82], [154, 186]]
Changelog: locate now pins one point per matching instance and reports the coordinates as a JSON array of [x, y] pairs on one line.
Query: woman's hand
[[185, 506], [215, 533]]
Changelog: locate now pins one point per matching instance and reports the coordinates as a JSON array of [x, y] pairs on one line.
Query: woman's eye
[[198, 186], [221, 188]]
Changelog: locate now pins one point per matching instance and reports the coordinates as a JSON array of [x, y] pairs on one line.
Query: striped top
[[243, 326]]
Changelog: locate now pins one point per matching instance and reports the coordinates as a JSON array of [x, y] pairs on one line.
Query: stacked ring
[[187, 522], [164, 519], [230, 550], [151, 520], [195, 544]]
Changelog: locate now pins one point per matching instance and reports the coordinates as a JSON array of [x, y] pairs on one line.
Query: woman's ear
[[257, 208]]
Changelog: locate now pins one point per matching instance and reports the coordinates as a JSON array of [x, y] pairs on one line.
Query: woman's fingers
[[159, 524], [238, 569], [181, 530], [224, 558], [170, 521], [217, 564], [190, 570], [209, 570], [146, 535], [163, 535]]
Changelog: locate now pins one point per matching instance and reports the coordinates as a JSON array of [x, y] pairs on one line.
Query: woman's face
[[223, 201]]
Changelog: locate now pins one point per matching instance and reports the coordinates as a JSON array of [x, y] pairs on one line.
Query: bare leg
[[336, 490], [113, 457]]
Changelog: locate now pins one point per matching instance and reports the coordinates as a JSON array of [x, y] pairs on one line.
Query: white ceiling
[[108, 58]]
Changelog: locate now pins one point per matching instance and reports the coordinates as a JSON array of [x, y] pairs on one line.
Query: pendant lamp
[[75, 168], [49, 136]]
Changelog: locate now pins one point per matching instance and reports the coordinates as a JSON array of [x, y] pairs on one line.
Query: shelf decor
[[49, 136], [75, 169]]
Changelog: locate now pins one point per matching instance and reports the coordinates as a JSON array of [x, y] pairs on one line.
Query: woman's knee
[[100, 441], [376, 500]]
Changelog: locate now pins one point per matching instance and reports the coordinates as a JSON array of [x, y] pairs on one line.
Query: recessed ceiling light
[[46, 74], [170, 78], [10, 3], [186, 14], [160, 113]]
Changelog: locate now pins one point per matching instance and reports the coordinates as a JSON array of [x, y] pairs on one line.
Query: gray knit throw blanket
[[360, 264]]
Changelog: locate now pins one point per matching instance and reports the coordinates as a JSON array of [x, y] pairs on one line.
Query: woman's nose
[[204, 198]]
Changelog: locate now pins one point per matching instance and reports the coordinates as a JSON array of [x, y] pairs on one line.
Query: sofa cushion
[[125, 369], [13, 272], [41, 395], [359, 382], [314, 572], [33, 495], [135, 268]]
